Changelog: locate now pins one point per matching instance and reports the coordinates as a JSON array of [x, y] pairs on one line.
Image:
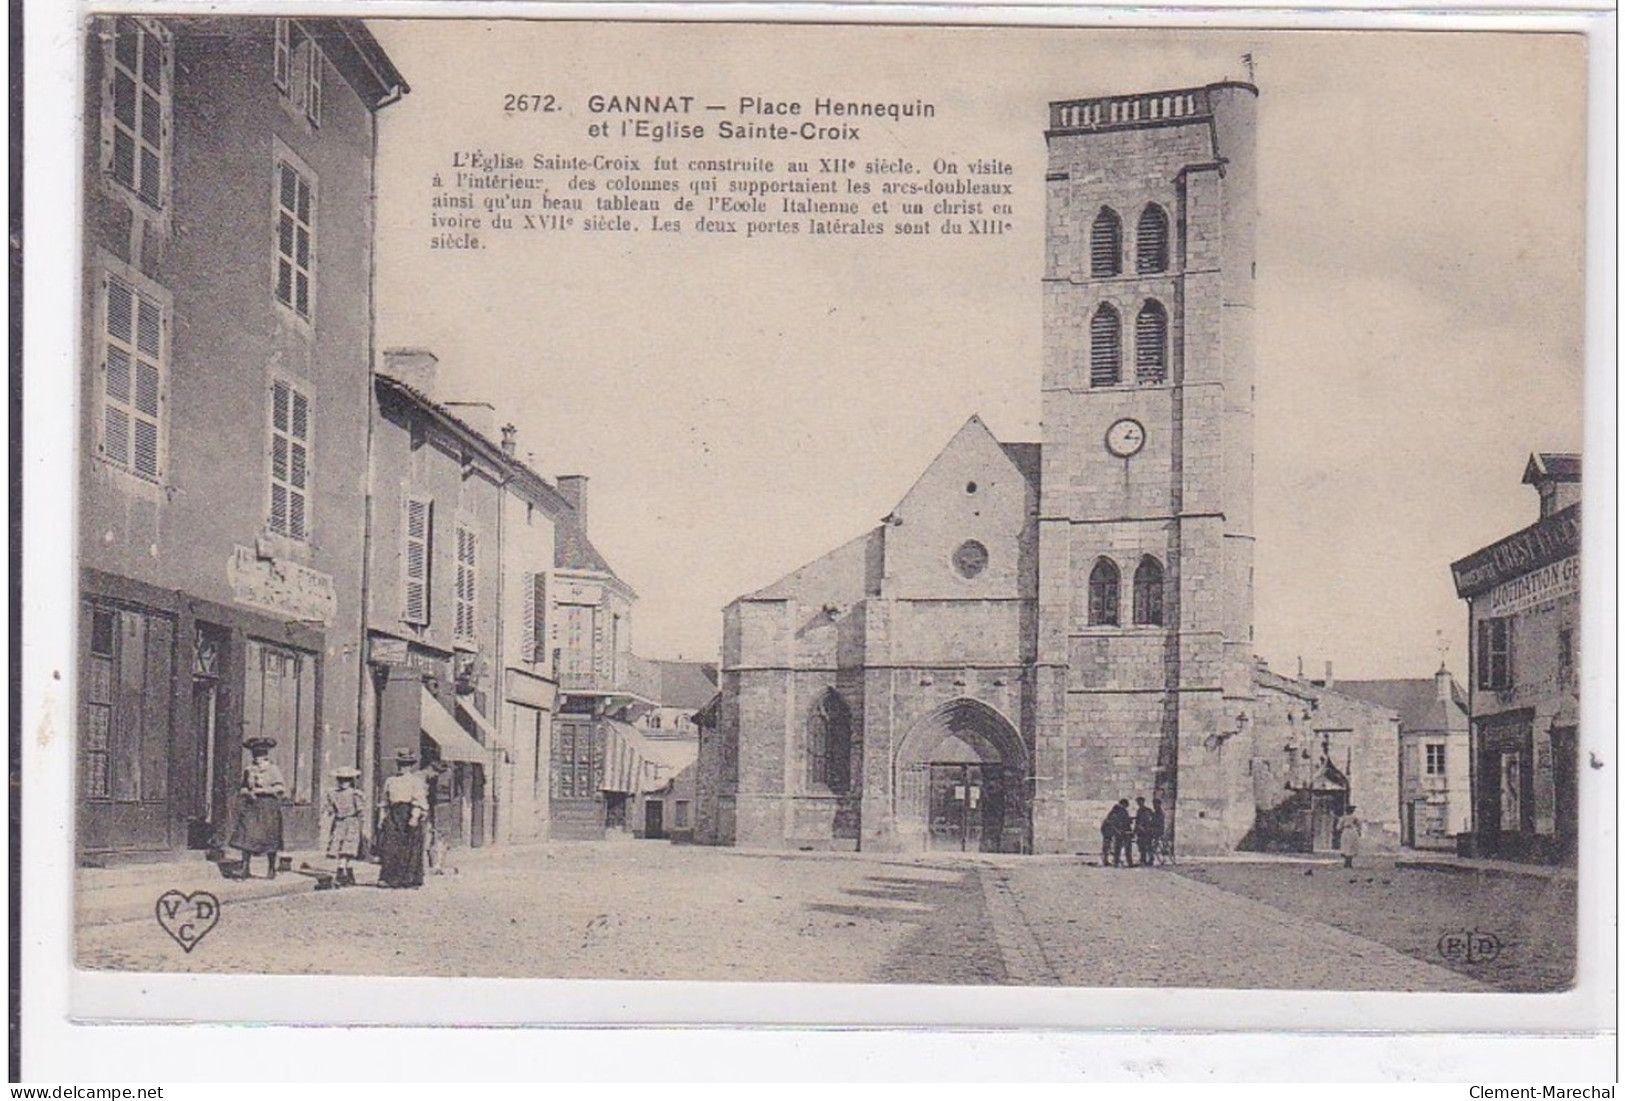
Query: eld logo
[[1470, 947]]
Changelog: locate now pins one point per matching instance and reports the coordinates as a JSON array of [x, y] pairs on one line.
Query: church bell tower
[[1145, 608]]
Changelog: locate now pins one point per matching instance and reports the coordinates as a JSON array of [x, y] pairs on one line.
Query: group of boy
[[1122, 833]]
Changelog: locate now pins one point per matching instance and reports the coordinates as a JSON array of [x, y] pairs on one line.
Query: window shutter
[[1151, 343], [528, 647], [538, 618], [1106, 244], [279, 72], [1151, 244], [415, 574], [467, 561], [313, 85], [1105, 348]]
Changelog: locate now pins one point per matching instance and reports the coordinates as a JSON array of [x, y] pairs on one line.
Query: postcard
[[1059, 514]]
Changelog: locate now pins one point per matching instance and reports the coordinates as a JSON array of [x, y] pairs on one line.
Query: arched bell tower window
[[1151, 241], [1105, 347], [1151, 343], [1148, 593], [829, 744], [1104, 581], [1106, 244]]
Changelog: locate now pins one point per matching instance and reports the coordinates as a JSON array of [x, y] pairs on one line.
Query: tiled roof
[[572, 550], [1415, 699], [687, 684]]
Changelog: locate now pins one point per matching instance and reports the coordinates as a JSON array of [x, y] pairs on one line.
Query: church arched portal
[[960, 781]]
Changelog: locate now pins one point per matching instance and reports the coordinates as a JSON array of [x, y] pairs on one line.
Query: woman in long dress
[[400, 828], [257, 825]]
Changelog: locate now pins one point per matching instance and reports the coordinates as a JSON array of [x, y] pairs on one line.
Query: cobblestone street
[[651, 911]]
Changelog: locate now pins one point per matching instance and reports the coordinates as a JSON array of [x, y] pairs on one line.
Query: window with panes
[[1104, 582], [1148, 592], [1434, 759], [295, 239], [1495, 654], [137, 105], [132, 432], [578, 760], [290, 461], [124, 704]]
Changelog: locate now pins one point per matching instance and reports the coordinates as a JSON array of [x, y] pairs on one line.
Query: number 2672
[[529, 102]]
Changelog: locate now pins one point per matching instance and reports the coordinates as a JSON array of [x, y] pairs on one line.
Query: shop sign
[[281, 586], [1540, 544], [1544, 585]]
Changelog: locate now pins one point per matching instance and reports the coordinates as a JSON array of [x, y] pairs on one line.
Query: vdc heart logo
[[188, 918]]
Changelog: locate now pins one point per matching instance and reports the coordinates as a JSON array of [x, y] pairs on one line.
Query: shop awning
[[453, 740], [632, 764], [480, 721]]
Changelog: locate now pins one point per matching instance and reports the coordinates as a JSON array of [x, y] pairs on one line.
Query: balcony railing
[[631, 676], [1110, 111]]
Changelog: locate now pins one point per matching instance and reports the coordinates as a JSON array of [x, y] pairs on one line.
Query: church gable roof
[[1002, 474], [846, 574], [973, 446]]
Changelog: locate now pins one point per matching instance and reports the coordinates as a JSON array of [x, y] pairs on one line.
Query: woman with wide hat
[[258, 824], [400, 826]]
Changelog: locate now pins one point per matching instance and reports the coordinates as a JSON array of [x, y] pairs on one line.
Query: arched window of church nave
[[1104, 582], [1106, 244], [1151, 343], [1105, 347], [1148, 593], [1151, 241], [829, 744]]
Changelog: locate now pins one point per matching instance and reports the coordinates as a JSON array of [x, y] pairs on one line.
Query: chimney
[[573, 488], [510, 440], [416, 367], [1329, 680], [1441, 685]]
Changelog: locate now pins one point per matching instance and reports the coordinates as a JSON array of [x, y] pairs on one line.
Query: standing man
[[1115, 831], [1145, 832]]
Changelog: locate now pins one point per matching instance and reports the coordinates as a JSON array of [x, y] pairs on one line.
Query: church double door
[[966, 807]]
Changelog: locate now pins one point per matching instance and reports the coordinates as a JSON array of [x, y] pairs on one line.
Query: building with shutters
[[1435, 789], [1038, 630], [599, 763], [1523, 599], [434, 681], [228, 181]]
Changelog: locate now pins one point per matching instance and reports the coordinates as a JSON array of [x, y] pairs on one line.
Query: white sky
[[743, 407]]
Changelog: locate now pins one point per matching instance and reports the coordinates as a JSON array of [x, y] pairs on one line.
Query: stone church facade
[[1039, 630]]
